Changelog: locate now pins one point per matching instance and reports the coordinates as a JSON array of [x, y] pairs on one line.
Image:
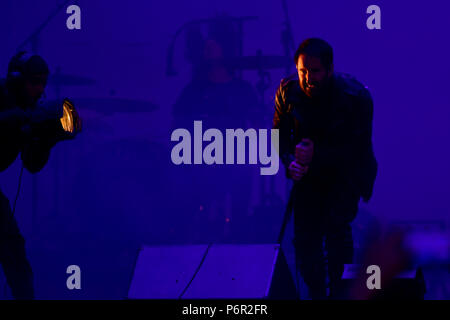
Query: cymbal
[[108, 106], [260, 62], [61, 79]]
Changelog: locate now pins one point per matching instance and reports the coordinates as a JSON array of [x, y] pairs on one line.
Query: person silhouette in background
[[216, 196]]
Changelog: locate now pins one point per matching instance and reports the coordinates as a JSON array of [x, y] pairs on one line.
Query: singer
[[325, 123]]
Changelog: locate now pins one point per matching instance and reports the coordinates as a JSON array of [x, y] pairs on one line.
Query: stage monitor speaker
[[218, 271]]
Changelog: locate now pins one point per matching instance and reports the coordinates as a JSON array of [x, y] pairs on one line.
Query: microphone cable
[[196, 271]]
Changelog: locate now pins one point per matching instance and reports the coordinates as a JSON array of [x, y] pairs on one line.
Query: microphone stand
[[287, 216], [287, 39]]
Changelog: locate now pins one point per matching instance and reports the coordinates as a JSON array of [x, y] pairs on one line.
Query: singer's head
[[314, 62]]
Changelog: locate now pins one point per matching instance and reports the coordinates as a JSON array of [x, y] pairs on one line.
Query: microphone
[[299, 148]]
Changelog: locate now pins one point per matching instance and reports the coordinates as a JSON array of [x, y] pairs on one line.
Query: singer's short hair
[[317, 48]]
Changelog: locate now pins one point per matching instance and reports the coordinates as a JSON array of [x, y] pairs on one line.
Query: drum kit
[[270, 203], [103, 107], [95, 119]]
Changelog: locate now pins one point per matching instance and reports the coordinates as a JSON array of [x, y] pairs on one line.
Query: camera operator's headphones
[[16, 69]]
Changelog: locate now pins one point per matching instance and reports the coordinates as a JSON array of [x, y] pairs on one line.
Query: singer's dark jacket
[[341, 129]]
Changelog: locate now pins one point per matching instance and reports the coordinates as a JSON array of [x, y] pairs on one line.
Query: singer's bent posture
[[325, 123]]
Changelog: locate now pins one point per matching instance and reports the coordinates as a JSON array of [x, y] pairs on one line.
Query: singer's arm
[[284, 124]]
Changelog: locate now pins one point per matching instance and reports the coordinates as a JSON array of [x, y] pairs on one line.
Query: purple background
[[113, 182]]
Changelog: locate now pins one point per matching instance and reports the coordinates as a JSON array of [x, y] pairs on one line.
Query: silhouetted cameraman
[[26, 127]]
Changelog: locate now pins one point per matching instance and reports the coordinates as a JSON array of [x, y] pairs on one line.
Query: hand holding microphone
[[304, 152], [303, 157]]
